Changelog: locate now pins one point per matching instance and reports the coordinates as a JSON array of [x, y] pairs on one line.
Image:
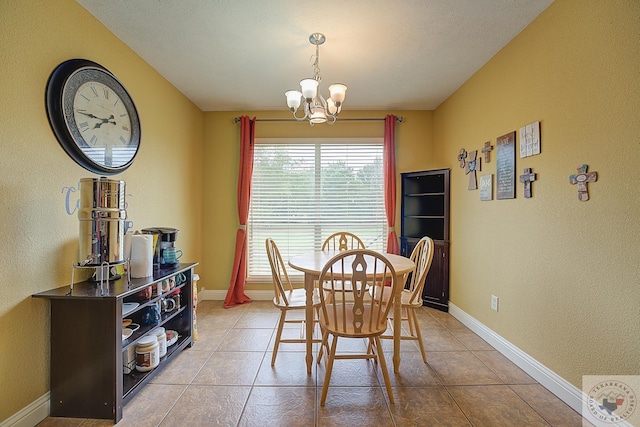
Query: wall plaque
[[486, 187], [506, 166]]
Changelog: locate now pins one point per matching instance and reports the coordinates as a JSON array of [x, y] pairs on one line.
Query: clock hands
[[104, 121], [98, 125]]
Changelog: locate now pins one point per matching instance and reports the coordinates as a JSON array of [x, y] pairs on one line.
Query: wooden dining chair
[[287, 298], [359, 316], [422, 256], [341, 241]]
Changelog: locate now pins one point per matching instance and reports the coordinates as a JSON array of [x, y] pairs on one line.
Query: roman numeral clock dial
[[93, 116]]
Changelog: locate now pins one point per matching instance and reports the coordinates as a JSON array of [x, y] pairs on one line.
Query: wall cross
[[582, 178], [527, 178], [487, 151]]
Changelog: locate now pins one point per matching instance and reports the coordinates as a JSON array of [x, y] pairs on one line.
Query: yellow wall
[[414, 151], [566, 272], [39, 237]]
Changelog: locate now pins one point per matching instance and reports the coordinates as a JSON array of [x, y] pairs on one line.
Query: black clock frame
[[63, 122]]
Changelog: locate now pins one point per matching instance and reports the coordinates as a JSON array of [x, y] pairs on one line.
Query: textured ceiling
[[228, 55]]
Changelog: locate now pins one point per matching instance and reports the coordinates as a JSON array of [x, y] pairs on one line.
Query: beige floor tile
[[470, 339], [280, 406], [351, 373], [552, 409], [290, 370], [258, 319], [413, 371], [440, 339], [149, 407], [461, 368], [426, 406], [183, 368], [207, 406], [246, 340], [230, 368], [495, 406], [354, 406], [505, 369]]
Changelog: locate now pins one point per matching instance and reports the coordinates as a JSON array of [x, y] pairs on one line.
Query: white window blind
[[303, 190]]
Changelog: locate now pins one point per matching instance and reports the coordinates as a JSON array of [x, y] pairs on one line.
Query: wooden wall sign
[[472, 166], [582, 178], [530, 140], [486, 150], [506, 166], [527, 178]]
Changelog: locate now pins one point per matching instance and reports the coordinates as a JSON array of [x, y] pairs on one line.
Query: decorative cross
[[462, 157], [470, 170], [582, 178], [486, 151], [527, 178]]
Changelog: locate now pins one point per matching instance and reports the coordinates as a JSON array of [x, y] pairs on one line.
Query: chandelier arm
[[304, 109]]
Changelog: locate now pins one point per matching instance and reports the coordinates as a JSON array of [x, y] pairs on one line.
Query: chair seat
[[345, 322], [297, 298]]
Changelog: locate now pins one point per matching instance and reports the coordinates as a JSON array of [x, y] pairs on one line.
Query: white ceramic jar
[[147, 353], [161, 337]]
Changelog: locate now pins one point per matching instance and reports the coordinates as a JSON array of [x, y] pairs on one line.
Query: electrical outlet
[[494, 303]]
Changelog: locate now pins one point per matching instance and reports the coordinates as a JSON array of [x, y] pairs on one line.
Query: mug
[[150, 315], [167, 304], [175, 296], [180, 279], [171, 255], [145, 294]]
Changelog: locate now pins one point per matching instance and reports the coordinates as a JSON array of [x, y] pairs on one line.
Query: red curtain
[[389, 165], [235, 294]]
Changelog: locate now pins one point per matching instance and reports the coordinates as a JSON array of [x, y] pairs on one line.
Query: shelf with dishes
[[87, 375]]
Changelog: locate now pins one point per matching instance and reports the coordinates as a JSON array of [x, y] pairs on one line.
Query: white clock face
[[93, 116], [103, 122]]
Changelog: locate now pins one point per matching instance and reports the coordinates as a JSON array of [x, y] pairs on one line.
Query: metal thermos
[[102, 218]]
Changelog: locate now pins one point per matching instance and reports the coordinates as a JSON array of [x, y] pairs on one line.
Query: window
[[303, 190]]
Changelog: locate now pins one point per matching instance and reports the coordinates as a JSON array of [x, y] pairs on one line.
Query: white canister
[[129, 359], [147, 353], [161, 337]]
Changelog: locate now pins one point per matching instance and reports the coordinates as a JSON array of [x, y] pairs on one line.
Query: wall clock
[[93, 116]]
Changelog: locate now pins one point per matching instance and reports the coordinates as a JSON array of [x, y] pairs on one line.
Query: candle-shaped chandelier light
[[316, 109]]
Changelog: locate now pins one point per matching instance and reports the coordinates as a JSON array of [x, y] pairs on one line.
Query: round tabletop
[[314, 262]]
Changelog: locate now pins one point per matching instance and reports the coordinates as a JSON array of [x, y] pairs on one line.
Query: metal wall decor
[[527, 178]]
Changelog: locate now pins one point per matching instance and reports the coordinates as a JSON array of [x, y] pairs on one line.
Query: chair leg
[[383, 367], [323, 344], [283, 316], [327, 374], [413, 318]]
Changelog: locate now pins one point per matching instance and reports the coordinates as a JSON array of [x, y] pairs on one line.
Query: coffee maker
[[163, 238]]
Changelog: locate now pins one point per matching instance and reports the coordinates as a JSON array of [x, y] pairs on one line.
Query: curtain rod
[[398, 119]]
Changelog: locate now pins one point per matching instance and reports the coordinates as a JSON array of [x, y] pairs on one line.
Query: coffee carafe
[[165, 253]]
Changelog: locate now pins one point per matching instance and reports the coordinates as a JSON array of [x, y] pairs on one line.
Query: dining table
[[312, 263]]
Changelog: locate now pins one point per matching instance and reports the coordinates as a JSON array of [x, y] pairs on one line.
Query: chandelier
[[316, 109]]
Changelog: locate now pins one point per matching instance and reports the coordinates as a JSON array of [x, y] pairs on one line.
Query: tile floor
[[226, 379]]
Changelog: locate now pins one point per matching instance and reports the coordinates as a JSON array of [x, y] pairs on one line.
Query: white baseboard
[[557, 385], [30, 415]]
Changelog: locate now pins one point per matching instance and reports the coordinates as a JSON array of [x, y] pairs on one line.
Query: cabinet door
[[436, 286]]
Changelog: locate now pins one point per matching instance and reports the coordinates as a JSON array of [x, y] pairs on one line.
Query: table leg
[[308, 286], [397, 325]]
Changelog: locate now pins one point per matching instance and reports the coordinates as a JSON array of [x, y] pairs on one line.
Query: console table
[[86, 370]]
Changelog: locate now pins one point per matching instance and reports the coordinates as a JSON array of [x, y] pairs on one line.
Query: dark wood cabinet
[[425, 212], [87, 376]]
